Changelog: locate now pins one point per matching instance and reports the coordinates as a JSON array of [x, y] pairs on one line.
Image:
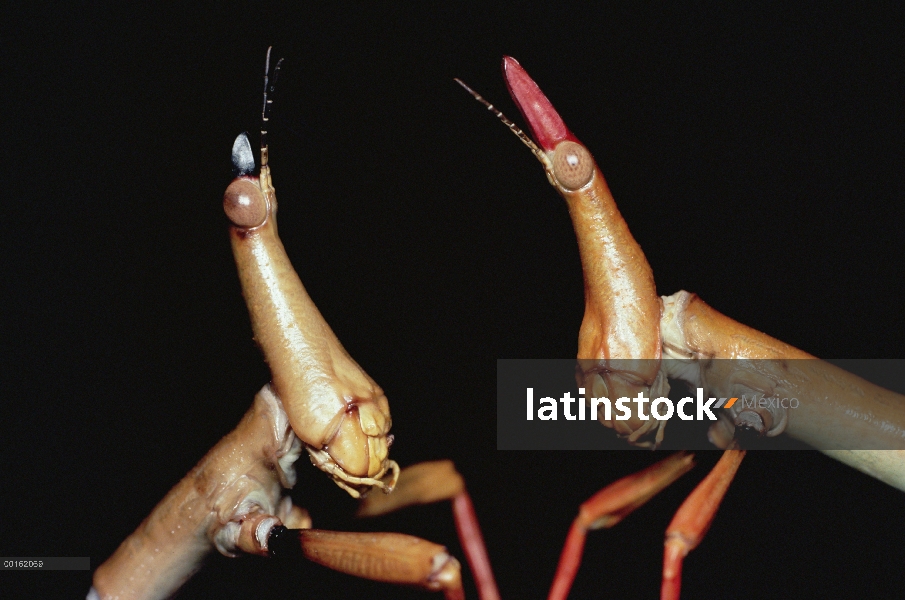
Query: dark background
[[756, 155]]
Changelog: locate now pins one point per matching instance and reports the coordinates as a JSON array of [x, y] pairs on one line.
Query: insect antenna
[[269, 85], [540, 154]]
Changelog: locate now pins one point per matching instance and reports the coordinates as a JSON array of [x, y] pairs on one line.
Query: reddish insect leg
[[432, 482], [693, 519], [609, 506], [388, 557], [473, 543]]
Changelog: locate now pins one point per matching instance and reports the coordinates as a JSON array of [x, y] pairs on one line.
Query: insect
[[627, 330], [319, 400]]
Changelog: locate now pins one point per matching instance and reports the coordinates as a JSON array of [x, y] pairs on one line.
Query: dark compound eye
[[244, 204], [573, 165]]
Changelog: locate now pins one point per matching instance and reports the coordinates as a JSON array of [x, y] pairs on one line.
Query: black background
[[756, 155]]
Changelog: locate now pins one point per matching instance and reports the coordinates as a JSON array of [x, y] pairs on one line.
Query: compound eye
[[244, 204], [573, 165]]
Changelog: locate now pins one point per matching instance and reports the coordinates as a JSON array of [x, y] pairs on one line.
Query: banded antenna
[[269, 86], [540, 154]]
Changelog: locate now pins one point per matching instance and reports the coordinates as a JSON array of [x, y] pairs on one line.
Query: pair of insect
[[320, 401]]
